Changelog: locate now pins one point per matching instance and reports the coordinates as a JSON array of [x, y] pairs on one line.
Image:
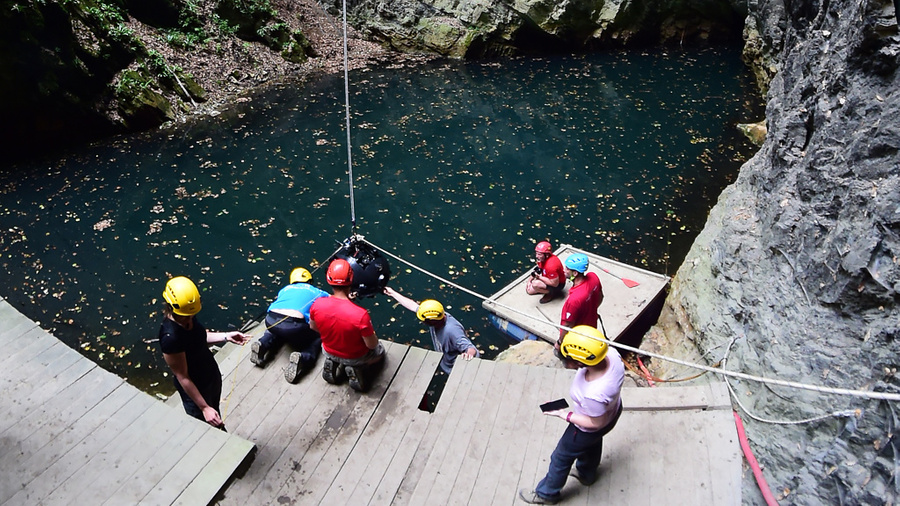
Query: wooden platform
[[325, 444], [72, 433], [620, 308]]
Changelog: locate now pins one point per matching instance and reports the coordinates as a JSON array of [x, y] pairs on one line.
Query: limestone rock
[[539, 353]]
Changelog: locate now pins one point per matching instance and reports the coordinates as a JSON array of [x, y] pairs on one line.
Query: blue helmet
[[577, 262]]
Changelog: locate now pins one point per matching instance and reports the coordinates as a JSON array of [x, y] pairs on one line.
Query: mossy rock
[[139, 106]]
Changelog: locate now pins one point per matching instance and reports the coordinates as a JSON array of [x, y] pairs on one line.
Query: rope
[[347, 116], [887, 396]]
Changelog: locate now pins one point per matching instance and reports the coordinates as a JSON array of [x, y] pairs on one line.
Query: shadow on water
[[459, 168]]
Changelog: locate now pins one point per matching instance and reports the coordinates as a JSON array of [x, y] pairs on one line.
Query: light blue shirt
[[297, 296]]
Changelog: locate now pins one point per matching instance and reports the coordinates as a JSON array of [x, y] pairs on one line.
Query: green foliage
[[273, 32], [131, 84]]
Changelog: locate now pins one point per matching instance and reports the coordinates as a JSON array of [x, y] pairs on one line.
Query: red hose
[[646, 372], [754, 465]]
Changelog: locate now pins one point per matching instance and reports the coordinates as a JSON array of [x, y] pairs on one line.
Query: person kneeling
[[349, 344]]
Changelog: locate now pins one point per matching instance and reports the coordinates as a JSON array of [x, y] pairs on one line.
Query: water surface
[[459, 168]]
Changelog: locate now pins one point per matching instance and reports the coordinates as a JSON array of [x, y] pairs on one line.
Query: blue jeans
[[583, 449]]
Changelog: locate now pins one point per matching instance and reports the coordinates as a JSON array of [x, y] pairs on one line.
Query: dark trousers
[[295, 332]]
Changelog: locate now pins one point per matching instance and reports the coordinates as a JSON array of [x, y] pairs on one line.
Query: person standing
[[447, 334], [584, 297], [349, 343], [287, 321], [548, 277], [185, 347], [596, 395]]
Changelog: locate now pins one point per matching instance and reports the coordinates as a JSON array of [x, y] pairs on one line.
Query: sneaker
[[546, 298], [587, 482], [292, 371], [356, 379], [258, 354], [532, 497], [330, 371]]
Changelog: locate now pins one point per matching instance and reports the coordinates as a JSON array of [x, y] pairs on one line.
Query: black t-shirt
[[201, 364]]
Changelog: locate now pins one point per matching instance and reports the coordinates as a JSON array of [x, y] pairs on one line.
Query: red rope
[[754, 465]]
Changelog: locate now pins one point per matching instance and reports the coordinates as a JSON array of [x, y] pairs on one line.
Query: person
[[548, 277], [287, 320], [584, 297], [349, 343], [447, 334], [185, 348], [597, 405]]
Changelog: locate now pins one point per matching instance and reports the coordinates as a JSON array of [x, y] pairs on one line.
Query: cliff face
[[796, 274], [483, 28]]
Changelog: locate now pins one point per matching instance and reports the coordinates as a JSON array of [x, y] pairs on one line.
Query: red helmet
[[543, 247], [339, 273]]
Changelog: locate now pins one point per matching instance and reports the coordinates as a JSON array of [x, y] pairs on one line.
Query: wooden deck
[[325, 444], [72, 433], [620, 308]]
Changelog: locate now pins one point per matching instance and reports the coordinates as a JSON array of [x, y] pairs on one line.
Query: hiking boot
[[546, 298], [307, 361], [356, 378], [258, 354], [532, 497], [293, 369], [330, 371], [584, 480]]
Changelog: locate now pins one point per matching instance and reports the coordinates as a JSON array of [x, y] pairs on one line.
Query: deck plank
[[333, 446], [408, 438], [445, 442], [174, 447], [366, 466], [183, 473], [110, 467], [32, 432]]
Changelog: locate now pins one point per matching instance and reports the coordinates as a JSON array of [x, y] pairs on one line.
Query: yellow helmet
[[300, 275], [583, 344], [181, 293], [430, 309]]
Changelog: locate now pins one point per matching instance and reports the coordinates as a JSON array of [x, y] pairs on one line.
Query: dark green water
[[459, 168]]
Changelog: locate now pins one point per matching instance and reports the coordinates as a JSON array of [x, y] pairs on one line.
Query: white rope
[[887, 396], [347, 126], [835, 414]]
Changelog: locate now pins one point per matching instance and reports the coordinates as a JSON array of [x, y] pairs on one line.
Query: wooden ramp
[[72, 433], [326, 444]]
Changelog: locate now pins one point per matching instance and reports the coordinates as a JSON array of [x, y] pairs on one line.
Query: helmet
[[339, 273], [583, 344], [181, 293], [543, 247], [577, 262], [430, 309], [300, 275]]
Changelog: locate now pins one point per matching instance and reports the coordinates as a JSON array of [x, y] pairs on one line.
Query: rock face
[[483, 28], [797, 272]]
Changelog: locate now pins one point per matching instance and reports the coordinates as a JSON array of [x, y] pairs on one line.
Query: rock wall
[[483, 28], [796, 274]]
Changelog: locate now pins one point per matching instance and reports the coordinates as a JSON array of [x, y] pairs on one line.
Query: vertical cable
[[347, 115]]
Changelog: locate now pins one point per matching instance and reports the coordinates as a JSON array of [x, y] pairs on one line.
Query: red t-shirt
[[552, 268], [342, 325], [581, 306]]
